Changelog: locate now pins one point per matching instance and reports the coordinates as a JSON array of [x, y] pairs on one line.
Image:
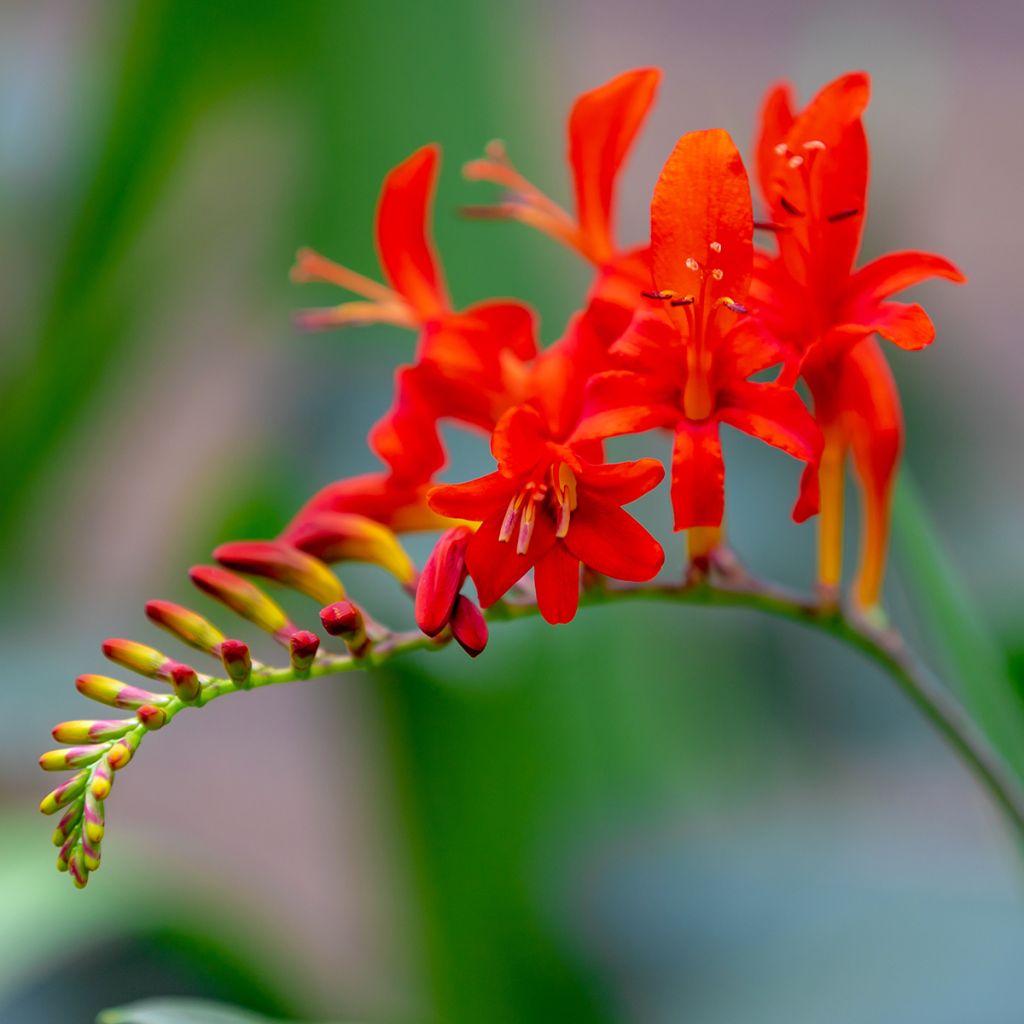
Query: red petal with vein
[[701, 197], [698, 475], [623, 402], [622, 482], [905, 325], [611, 542], [403, 233], [441, 580], [496, 565], [602, 126], [776, 120], [895, 271], [773, 413], [475, 500], [557, 579], [519, 441]]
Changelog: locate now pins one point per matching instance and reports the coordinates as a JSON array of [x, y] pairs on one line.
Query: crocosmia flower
[[813, 172], [685, 362]]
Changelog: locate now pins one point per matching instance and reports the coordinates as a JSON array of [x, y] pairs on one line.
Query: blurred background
[[654, 815]]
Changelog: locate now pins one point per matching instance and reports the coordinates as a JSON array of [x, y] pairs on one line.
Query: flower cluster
[[694, 329]]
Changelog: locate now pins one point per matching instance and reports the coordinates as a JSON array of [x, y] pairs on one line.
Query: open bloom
[[466, 362], [548, 509], [813, 172], [603, 125], [685, 362]]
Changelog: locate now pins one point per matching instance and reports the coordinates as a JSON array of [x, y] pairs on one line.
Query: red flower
[[813, 170], [467, 362], [548, 509], [686, 363], [603, 124]]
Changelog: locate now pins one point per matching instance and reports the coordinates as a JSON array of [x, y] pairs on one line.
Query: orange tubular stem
[[701, 541], [867, 590], [830, 521]]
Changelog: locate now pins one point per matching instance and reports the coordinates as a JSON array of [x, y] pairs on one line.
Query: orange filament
[[830, 521]]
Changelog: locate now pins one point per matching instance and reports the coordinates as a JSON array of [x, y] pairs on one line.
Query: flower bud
[[64, 793], [134, 656], [78, 869], [242, 597], [116, 694], [185, 681], [102, 780], [237, 661], [152, 717], [68, 822], [185, 624], [469, 626], [122, 752], [90, 731], [348, 537], [345, 620], [71, 757], [278, 561], [90, 855], [302, 646], [93, 817], [441, 580]]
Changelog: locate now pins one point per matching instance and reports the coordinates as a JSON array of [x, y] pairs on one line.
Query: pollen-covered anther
[[731, 304], [528, 519], [686, 300], [781, 149], [662, 296], [566, 495]]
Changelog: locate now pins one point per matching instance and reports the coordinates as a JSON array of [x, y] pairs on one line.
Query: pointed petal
[[475, 500], [895, 271], [773, 413], [407, 437], [557, 579], [619, 483], [702, 198], [519, 441], [776, 120], [650, 343], [602, 126], [403, 233], [905, 325], [622, 402], [495, 565], [508, 325], [611, 542], [698, 475]]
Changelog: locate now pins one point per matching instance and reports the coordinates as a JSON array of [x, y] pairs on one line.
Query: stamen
[[716, 246], [661, 296], [842, 215], [815, 144], [789, 207], [718, 273], [565, 488], [736, 307], [781, 149], [526, 525], [686, 300], [763, 225], [795, 162], [508, 524]]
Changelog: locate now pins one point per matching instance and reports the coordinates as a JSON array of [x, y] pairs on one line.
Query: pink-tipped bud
[[70, 757], [185, 681], [68, 822], [243, 598], [102, 780], [237, 661], [152, 717], [116, 694], [64, 793], [345, 620], [441, 580], [93, 818], [348, 537], [134, 656], [302, 646], [469, 627], [275, 560], [123, 751], [185, 624], [90, 854], [90, 731]]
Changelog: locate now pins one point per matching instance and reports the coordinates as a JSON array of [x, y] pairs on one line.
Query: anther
[[815, 144], [692, 264], [789, 207], [716, 246], [660, 296], [736, 307], [842, 215], [718, 273], [763, 225], [686, 300], [795, 162], [781, 149]]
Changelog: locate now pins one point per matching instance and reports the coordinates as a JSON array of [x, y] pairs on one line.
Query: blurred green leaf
[[179, 1011]]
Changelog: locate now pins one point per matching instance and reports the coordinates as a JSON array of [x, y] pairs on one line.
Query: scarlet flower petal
[[611, 542], [602, 126], [905, 325], [403, 233], [702, 198], [519, 440], [496, 565], [512, 325], [776, 119], [623, 402], [698, 475], [646, 341], [474, 500], [773, 413], [557, 579], [441, 580], [619, 483], [894, 272], [407, 438]]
